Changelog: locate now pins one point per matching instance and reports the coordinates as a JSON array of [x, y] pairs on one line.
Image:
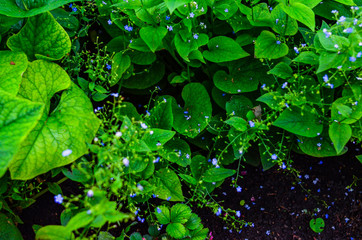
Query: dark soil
[[277, 209]]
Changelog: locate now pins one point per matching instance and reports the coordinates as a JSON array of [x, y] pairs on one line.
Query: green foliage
[[317, 225]]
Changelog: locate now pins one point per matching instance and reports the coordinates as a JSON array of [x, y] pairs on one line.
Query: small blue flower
[[334, 11], [168, 199], [328, 34], [352, 59], [168, 18], [348, 30], [287, 105], [283, 166], [274, 157], [263, 86], [159, 210], [276, 21], [214, 161], [218, 212], [296, 50], [170, 28], [71, 5], [359, 54], [278, 42], [128, 28], [284, 85], [342, 19], [304, 44], [239, 189], [196, 36], [326, 215], [226, 10], [267, 232], [89, 212], [74, 9], [58, 198], [192, 15], [109, 22], [325, 78], [237, 213], [252, 124]]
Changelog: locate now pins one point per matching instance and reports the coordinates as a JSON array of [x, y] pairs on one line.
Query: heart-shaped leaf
[[317, 225], [300, 12], [168, 185], [42, 37], [193, 117], [60, 137], [267, 46], [224, 49], [153, 36]]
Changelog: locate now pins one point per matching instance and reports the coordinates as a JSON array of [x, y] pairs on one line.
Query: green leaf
[[260, 15], [168, 185], [68, 128], [173, 4], [120, 63], [282, 70], [359, 157], [18, 117], [283, 24], [127, 109], [80, 220], [8, 229], [218, 174], [238, 123], [223, 49], [320, 146], [272, 99], [243, 76], [180, 213], [12, 67], [238, 105], [10, 7], [163, 214], [178, 151], [300, 12], [317, 225], [155, 137], [146, 79], [346, 2], [66, 20], [153, 36], [307, 58], [54, 188], [199, 234], [194, 222], [141, 58], [54, 232], [41, 37], [188, 179], [193, 118], [220, 6], [340, 133], [105, 236], [136, 236], [266, 46], [161, 115], [300, 122], [176, 230]]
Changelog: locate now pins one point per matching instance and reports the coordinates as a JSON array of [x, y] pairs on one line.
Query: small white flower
[[66, 153], [125, 162], [118, 134]]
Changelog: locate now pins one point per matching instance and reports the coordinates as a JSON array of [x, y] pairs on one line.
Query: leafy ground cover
[[180, 119]]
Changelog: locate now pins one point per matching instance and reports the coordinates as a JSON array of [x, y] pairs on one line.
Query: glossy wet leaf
[[300, 122], [266, 46], [12, 67], [193, 117], [41, 38], [12, 9], [223, 49], [67, 128]]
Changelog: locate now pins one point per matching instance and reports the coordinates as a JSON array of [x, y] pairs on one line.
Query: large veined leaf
[[120, 63], [42, 37], [12, 66], [16, 8], [163, 214], [176, 230], [301, 122], [244, 76], [173, 4], [320, 146], [161, 115], [193, 117], [267, 46], [168, 185], [300, 12], [54, 232], [340, 133], [224, 49], [60, 136], [18, 117]]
